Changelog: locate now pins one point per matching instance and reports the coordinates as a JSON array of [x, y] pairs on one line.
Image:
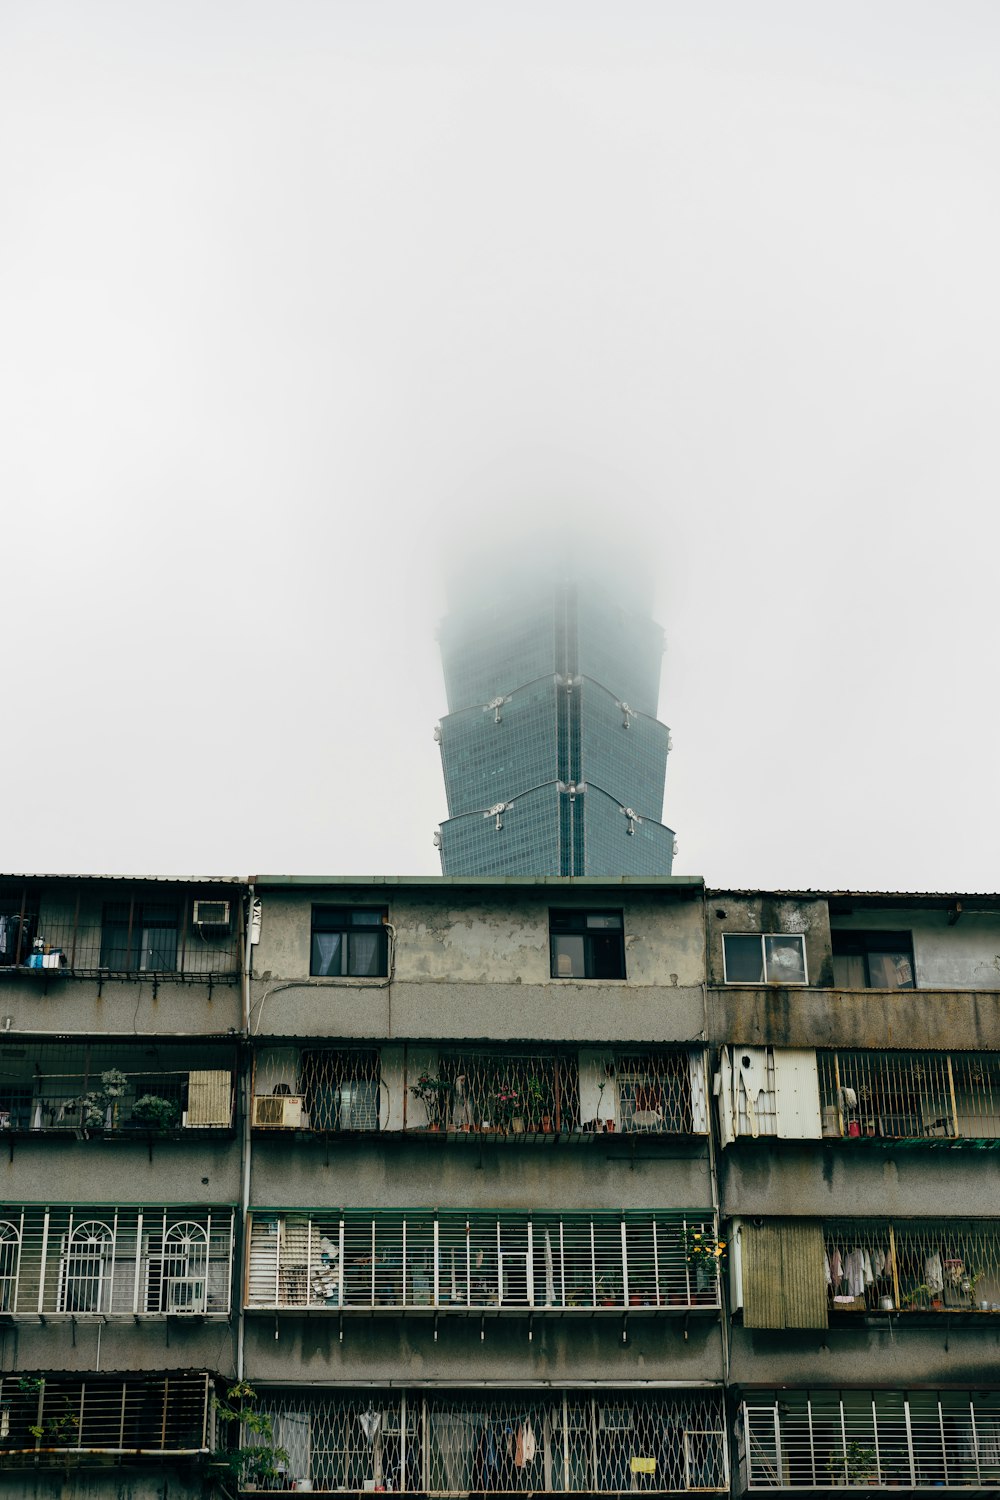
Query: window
[[85, 1268], [139, 936], [873, 960], [763, 958], [587, 944], [349, 940]]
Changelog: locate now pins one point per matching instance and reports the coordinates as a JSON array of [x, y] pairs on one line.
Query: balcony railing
[[462, 1263], [63, 1420], [923, 1096], [520, 1095], [910, 1265], [519, 1442], [871, 1440], [114, 1089], [103, 1262], [159, 932]]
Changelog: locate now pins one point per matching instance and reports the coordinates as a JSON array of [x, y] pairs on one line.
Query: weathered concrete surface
[[947, 1019], [57, 1170], [160, 1481], [119, 1344], [434, 1173], [905, 1355], [833, 1179], [401, 1350], [69, 1006], [963, 955], [763, 912]]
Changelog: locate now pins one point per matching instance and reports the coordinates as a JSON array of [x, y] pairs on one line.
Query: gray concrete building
[[497, 1184]]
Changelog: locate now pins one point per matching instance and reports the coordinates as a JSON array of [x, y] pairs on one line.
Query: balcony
[[116, 930], [524, 1441], [882, 1266], [802, 1441], [463, 1094], [108, 1262], [50, 1421], [458, 1263], [927, 1098], [109, 1089]]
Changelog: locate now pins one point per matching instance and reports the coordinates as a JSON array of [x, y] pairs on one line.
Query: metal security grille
[[102, 1087], [517, 1442], [62, 1420], [459, 1262], [511, 1093], [108, 1262], [911, 1095], [912, 1265], [805, 1440]]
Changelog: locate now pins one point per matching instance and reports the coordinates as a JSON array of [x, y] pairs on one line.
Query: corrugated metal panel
[[783, 1281], [209, 1098], [803, 1281], [763, 1302]]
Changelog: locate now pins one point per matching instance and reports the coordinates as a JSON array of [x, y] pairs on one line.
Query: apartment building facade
[[508, 1185]]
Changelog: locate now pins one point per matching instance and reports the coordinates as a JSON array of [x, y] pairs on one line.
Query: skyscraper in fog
[[554, 759]]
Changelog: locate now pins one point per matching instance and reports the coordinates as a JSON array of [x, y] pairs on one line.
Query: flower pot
[[635, 1299], [609, 1126], [517, 1125], [853, 1129], [434, 1126], [547, 1123]]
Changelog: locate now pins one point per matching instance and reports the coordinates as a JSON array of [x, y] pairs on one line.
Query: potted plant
[[857, 1464], [503, 1104], [433, 1093], [155, 1113], [911, 1301], [99, 1107], [539, 1102]]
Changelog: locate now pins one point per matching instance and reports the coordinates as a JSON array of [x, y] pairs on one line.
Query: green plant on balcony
[[259, 1459], [433, 1093], [857, 1464], [504, 1105], [156, 1113], [703, 1248], [99, 1107], [911, 1301]]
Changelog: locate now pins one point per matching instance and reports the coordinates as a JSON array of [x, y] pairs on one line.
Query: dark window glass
[[349, 940], [873, 960], [139, 936], [587, 944], [744, 956]]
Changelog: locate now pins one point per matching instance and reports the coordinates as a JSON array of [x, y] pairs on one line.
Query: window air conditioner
[[278, 1111], [211, 914], [185, 1294]]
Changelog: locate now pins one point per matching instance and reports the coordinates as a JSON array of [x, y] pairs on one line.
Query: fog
[[304, 304]]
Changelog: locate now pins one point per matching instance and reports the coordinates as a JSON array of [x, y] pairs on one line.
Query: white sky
[[293, 294]]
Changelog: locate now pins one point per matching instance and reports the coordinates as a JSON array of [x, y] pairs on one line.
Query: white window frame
[[786, 937]]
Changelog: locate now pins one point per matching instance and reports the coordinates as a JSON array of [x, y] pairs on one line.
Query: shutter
[[784, 1283], [796, 1092], [209, 1098]]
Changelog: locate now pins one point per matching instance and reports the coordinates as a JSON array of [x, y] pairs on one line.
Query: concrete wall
[[833, 1180], [57, 1170], [728, 911], [478, 967], [162, 1482], [400, 1350], [962, 956], [60, 1005], [797, 1017], [428, 1173], [90, 1344], [895, 1356]]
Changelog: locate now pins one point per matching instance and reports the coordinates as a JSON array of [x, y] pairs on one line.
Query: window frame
[[785, 937], [346, 928], [869, 941], [125, 941], [576, 918]]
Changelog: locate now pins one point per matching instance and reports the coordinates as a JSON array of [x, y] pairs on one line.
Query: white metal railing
[[114, 1261], [462, 1262], [818, 1440], [500, 1092], [516, 1442], [63, 1419]]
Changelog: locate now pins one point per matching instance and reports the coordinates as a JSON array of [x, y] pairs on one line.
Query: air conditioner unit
[[185, 1294], [278, 1111], [211, 914]]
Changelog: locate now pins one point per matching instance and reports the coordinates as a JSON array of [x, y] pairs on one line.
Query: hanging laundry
[[934, 1273], [524, 1449], [854, 1272]]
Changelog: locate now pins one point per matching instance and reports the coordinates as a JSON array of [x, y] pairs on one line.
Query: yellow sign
[[643, 1465]]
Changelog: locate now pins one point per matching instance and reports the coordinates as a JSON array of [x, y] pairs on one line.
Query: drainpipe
[[246, 1085]]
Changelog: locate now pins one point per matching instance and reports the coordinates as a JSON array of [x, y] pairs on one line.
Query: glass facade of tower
[[553, 758]]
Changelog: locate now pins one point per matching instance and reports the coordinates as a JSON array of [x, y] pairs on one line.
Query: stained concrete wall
[[163, 1481], [964, 955], [435, 1173], [402, 1350], [119, 1344], [57, 1170], [61, 1005], [832, 1179], [469, 965], [798, 1017], [740, 912], [894, 1356]]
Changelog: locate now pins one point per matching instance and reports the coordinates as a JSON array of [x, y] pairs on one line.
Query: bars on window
[[858, 1439], [459, 1263], [910, 1095], [63, 1418], [513, 1442]]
